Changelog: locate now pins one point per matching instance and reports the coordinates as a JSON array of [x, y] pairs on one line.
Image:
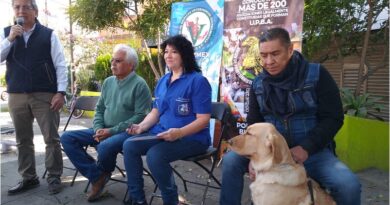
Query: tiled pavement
[[375, 183]]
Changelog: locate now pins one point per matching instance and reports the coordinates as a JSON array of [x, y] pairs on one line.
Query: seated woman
[[179, 119]]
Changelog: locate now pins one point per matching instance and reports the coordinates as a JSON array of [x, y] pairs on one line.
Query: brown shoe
[[97, 187]]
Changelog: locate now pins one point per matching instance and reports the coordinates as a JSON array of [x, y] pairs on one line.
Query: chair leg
[[44, 174], [205, 190], [86, 188], [210, 172], [121, 171], [127, 192], [147, 173], [181, 177], [74, 177], [153, 194]]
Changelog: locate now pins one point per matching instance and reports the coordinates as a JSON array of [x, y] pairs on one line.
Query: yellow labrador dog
[[279, 179]]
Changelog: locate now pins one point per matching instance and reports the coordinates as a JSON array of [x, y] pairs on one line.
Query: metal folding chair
[[222, 113], [86, 103]]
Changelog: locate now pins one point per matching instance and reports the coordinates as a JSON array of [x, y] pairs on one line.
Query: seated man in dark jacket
[[303, 102]]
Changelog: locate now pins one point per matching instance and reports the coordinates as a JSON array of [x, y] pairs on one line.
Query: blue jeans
[[323, 167], [74, 142], [159, 155]]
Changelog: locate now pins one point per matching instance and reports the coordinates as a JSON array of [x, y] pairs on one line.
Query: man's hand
[[57, 102], [171, 134], [101, 134], [16, 30], [299, 154]]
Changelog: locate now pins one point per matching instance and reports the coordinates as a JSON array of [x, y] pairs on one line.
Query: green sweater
[[122, 103]]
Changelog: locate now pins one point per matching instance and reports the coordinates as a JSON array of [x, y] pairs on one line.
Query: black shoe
[[140, 203], [24, 185], [128, 202], [131, 202]]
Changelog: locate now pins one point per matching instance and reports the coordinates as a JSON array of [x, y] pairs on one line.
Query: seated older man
[[125, 99]]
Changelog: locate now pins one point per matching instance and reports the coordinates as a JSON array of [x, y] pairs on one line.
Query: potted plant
[[362, 142]]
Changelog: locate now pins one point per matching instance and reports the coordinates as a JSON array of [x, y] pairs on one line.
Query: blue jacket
[[303, 102]]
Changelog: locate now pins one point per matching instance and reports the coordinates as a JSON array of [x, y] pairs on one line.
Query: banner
[[201, 22], [244, 21]]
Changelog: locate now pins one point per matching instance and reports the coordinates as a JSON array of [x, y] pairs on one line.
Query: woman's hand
[[170, 135], [135, 129]]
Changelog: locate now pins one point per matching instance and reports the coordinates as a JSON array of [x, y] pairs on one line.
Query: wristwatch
[[62, 92]]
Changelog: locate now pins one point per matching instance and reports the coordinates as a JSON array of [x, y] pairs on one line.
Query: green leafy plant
[[103, 67], [360, 105], [85, 76], [144, 69], [2, 80], [147, 19]]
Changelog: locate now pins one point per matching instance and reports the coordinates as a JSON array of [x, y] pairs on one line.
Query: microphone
[[20, 20]]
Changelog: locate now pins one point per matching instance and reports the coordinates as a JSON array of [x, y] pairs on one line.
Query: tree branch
[[364, 49], [150, 60]]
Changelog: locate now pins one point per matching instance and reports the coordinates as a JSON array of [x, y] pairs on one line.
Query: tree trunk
[[364, 49], [159, 52], [340, 57], [150, 60], [372, 70]]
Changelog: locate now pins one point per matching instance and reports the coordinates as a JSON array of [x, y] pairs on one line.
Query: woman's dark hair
[[276, 33], [186, 51]]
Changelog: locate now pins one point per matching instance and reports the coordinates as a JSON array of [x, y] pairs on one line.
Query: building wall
[[345, 74]]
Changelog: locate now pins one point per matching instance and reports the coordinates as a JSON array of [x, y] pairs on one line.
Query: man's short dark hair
[[276, 33]]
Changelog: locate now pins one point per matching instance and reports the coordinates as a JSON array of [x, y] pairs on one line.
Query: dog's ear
[[275, 148], [269, 142]]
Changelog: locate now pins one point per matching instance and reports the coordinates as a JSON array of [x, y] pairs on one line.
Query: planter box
[[363, 143], [89, 114]]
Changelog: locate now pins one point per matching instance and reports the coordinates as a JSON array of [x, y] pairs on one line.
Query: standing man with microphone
[[36, 79]]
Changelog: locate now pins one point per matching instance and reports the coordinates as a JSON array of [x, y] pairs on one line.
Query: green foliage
[[145, 71], [85, 76], [102, 14], [93, 86], [147, 19], [153, 19], [359, 105], [88, 77], [3, 83], [98, 14], [103, 67], [326, 21]]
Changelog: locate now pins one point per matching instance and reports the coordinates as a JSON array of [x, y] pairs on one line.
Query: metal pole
[[46, 11], [71, 50]]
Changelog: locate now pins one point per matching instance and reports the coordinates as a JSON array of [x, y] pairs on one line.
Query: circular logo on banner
[[197, 26]]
